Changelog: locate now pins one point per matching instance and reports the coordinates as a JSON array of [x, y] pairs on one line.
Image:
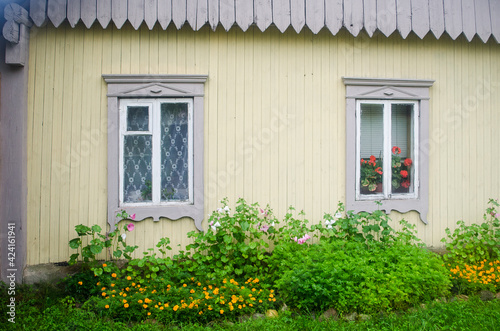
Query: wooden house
[[164, 107]]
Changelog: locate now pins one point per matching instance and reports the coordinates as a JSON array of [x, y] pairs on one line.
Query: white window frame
[[145, 89], [387, 148], [155, 131], [388, 90]]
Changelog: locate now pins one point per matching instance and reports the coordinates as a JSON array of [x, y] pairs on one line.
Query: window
[[155, 147], [387, 123]]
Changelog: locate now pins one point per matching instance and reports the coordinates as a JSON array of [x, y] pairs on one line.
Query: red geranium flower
[[405, 184], [373, 158], [404, 173], [396, 150], [379, 170], [408, 162]]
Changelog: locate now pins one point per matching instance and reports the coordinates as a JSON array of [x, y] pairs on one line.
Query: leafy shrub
[[98, 242], [233, 246], [348, 275], [476, 242], [470, 279]]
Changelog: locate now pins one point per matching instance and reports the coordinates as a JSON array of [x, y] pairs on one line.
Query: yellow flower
[[161, 308], [149, 313], [103, 294], [80, 283], [221, 311], [175, 307], [199, 284], [133, 284], [200, 312], [124, 301], [184, 285], [112, 285], [125, 305], [192, 291], [129, 278], [102, 289], [113, 275], [145, 306]]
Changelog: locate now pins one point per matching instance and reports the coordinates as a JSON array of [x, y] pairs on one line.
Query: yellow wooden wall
[[274, 121]]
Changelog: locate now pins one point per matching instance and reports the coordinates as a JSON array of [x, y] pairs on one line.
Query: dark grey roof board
[[455, 17]]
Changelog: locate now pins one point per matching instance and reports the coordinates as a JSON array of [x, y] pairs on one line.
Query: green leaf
[[117, 253], [75, 243], [95, 249], [96, 228]]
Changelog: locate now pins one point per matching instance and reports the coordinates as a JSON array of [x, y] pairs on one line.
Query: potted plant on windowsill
[[401, 170], [371, 175]]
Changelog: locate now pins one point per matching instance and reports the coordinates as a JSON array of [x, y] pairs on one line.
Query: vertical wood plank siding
[[274, 120]]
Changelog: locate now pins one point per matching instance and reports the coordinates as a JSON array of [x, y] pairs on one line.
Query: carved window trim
[[148, 87], [388, 89]]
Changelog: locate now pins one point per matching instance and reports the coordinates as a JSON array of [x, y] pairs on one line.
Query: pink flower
[[262, 213], [264, 227], [132, 217], [497, 215], [130, 227]]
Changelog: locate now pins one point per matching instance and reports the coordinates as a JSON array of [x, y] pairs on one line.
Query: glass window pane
[[137, 155], [371, 148], [174, 152], [137, 118], [402, 148]]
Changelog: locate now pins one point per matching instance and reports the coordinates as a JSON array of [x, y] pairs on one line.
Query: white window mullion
[[191, 150], [358, 149], [387, 150], [156, 160]]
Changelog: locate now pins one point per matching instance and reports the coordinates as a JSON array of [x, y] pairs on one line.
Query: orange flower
[[80, 283], [113, 275], [125, 305], [104, 265], [129, 278], [107, 306], [221, 311]]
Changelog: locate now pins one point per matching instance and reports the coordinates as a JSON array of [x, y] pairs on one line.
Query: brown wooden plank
[[150, 13], [164, 13], [404, 18], [73, 14], [436, 17], [227, 13], [88, 12], [315, 15], [244, 14], [334, 15], [119, 12], [135, 12], [104, 12], [38, 11], [420, 17]]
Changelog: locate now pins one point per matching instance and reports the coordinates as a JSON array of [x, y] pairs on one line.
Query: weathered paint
[[274, 121]]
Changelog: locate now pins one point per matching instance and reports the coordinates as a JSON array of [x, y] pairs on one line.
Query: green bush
[[474, 243], [349, 276], [233, 246]]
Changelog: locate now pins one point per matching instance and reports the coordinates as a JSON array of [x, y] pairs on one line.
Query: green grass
[[44, 308]]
